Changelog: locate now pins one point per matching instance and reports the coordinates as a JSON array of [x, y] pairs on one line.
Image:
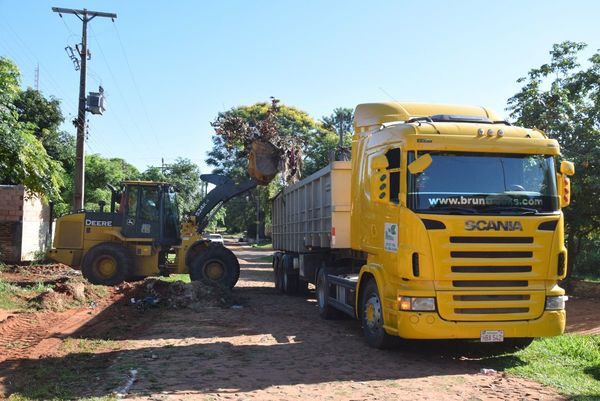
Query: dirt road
[[269, 347]]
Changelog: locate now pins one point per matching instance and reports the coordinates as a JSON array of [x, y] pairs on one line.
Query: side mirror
[[380, 180], [567, 168], [421, 164]]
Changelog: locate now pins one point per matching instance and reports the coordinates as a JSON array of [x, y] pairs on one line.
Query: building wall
[[23, 224]]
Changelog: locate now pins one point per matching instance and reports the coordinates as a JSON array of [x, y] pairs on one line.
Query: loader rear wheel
[[107, 264], [217, 265]]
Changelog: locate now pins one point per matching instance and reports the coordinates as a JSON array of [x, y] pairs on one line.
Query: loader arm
[[224, 190]]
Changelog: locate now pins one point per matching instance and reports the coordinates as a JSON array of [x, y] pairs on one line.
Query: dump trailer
[[445, 224]]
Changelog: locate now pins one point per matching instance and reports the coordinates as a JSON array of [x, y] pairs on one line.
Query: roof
[[367, 114]]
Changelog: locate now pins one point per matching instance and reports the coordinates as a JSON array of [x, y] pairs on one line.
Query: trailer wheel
[[275, 264], [326, 311], [217, 265], [372, 317], [107, 264], [289, 280]]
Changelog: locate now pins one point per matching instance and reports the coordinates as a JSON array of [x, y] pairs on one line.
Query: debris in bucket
[[153, 292], [268, 150]]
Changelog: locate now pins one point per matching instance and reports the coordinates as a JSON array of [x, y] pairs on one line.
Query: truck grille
[[490, 275]]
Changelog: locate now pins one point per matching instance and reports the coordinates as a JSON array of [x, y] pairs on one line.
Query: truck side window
[[393, 157]]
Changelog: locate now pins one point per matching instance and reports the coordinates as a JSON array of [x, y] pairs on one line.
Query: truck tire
[[289, 278], [107, 264], [371, 310], [326, 311], [216, 265]]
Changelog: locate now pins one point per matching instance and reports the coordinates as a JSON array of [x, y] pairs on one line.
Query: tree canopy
[[185, 176], [23, 158], [562, 98]]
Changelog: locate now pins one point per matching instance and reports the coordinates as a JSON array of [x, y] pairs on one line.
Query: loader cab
[[149, 210]]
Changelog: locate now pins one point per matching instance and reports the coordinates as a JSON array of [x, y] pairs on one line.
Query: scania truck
[[445, 224]]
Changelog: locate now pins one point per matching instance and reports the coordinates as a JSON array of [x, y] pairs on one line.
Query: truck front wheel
[[217, 265], [372, 317]]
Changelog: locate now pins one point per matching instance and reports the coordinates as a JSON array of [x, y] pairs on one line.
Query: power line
[[33, 59], [123, 98], [137, 90]]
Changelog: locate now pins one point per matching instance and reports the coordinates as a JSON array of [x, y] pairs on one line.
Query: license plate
[[491, 336]]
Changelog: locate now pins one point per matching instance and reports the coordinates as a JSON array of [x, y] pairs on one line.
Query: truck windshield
[[484, 183]]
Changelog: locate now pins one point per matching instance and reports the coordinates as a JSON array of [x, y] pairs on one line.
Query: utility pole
[[37, 77], [257, 214], [85, 16]]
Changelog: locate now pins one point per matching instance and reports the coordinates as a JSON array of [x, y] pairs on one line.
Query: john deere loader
[[143, 236]]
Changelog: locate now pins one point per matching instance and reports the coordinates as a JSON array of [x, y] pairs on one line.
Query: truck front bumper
[[429, 325]]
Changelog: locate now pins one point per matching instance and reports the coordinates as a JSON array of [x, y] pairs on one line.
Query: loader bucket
[[263, 162]]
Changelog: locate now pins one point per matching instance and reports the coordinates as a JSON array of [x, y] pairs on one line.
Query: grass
[[13, 297], [177, 277], [569, 363], [268, 259]]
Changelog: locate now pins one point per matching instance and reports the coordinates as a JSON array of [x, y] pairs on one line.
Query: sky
[[168, 67]]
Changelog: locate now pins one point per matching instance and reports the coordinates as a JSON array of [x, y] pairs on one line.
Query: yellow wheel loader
[[144, 236]]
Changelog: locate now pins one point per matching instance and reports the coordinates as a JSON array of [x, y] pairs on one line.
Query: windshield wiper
[[453, 210], [523, 210]]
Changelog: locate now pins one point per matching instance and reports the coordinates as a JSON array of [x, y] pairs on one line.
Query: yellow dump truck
[[445, 224]]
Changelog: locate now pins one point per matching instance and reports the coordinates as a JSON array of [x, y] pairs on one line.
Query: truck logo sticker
[[491, 225], [390, 238], [98, 223]]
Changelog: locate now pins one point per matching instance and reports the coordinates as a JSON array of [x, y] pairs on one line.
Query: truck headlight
[[417, 304], [556, 303]]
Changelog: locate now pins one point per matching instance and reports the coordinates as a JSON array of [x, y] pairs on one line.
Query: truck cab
[[456, 229]]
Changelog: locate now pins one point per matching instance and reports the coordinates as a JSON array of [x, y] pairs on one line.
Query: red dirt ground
[[273, 347]]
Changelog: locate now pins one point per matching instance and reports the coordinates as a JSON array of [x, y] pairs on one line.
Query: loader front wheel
[[107, 264], [217, 265]]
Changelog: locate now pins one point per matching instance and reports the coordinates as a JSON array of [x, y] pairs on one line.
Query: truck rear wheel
[[217, 265], [326, 311], [276, 269], [107, 264], [372, 317]]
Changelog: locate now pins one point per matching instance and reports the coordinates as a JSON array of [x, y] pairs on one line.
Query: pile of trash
[[194, 295]]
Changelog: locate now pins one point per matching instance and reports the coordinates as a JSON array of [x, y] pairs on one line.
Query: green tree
[[185, 176], [45, 116], [44, 113], [563, 99], [341, 121], [99, 173], [23, 158]]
